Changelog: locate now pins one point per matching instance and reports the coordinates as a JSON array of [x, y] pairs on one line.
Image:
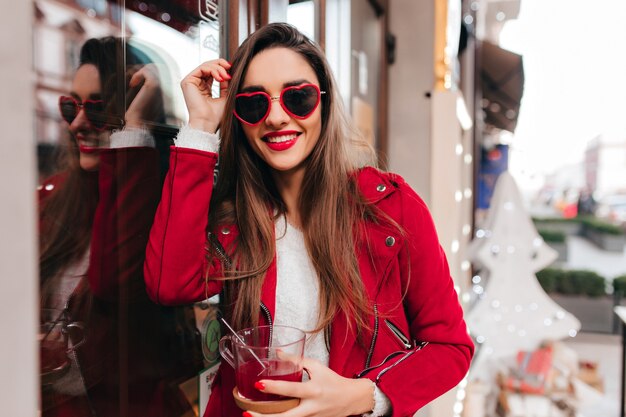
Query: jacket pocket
[[397, 334]]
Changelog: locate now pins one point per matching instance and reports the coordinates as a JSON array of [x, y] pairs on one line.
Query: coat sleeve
[[176, 261], [434, 315], [128, 192]]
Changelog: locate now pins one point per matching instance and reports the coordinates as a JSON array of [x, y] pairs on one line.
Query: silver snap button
[[225, 231], [390, 241], [381, 187]]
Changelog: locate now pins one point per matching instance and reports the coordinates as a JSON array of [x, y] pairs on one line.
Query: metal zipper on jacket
[[407, 355], [398, 333], [219, 249], [268, 316], [374, 336], [267, 313], [327, 333], [390, 356]]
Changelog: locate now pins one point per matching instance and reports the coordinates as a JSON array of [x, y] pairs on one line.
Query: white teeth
[[88, 142], [279, 139]]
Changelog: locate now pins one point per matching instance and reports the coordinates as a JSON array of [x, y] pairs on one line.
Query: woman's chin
[[89, 162]]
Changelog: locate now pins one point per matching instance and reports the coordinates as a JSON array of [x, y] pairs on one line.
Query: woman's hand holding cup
[[205, 111], [325, 394]]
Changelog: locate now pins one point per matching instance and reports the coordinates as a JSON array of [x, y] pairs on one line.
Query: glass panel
[[108, 105], [301, 14], [366, 55]]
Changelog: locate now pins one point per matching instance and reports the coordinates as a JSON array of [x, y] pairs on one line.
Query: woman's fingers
[[202, 77], [205, 111], [216, 69], [296, 389], [148, 72], [289, 389], [145, 95], [136, 79], [312, 366], [220, 73], [224, 88]]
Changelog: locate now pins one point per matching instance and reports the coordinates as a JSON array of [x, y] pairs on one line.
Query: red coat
[[430, 351]]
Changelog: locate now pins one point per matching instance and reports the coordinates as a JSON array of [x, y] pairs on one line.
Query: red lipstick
[[283, 144], [87, 149]]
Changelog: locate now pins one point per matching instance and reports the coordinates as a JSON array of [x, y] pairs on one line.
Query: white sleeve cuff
[[197, 139], [382, 405], [132, 137]]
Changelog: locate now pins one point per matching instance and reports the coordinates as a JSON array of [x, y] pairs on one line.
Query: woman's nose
[[80, 121], [277, 116]]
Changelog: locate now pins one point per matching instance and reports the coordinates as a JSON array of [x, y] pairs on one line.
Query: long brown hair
[[330, 205]]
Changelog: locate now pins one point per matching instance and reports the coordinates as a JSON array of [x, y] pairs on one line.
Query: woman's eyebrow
[[255, 88], [93, 96], [252, 88], [296, 82]]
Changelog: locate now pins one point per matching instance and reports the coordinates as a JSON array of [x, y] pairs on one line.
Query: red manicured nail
[[246, 414], [259, 385]]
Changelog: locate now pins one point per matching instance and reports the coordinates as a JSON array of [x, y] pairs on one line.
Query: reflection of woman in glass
[[95, 217], [296, 233]]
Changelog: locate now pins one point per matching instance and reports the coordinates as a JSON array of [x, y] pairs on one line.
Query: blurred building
[[605, 165]]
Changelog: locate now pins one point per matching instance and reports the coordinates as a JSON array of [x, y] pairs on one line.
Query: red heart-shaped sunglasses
[[94, 111], [298, 101]]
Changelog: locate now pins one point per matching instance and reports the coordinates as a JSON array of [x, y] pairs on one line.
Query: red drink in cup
[[264, 352], [250, 372]]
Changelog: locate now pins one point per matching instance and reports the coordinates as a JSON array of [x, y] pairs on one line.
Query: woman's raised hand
[[147, 103], [205, 112], [326, 394]]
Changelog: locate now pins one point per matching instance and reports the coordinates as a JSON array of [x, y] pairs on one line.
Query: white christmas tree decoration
[[513, 312]]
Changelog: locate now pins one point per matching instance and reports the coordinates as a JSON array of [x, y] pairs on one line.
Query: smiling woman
[[295, 233]]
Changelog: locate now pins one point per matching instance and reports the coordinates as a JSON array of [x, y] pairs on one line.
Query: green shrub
[[550, 236], [547, 279], [564, 285], [619, 284], [539, 220], [601, 226], [572, 282], [586, 282]]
